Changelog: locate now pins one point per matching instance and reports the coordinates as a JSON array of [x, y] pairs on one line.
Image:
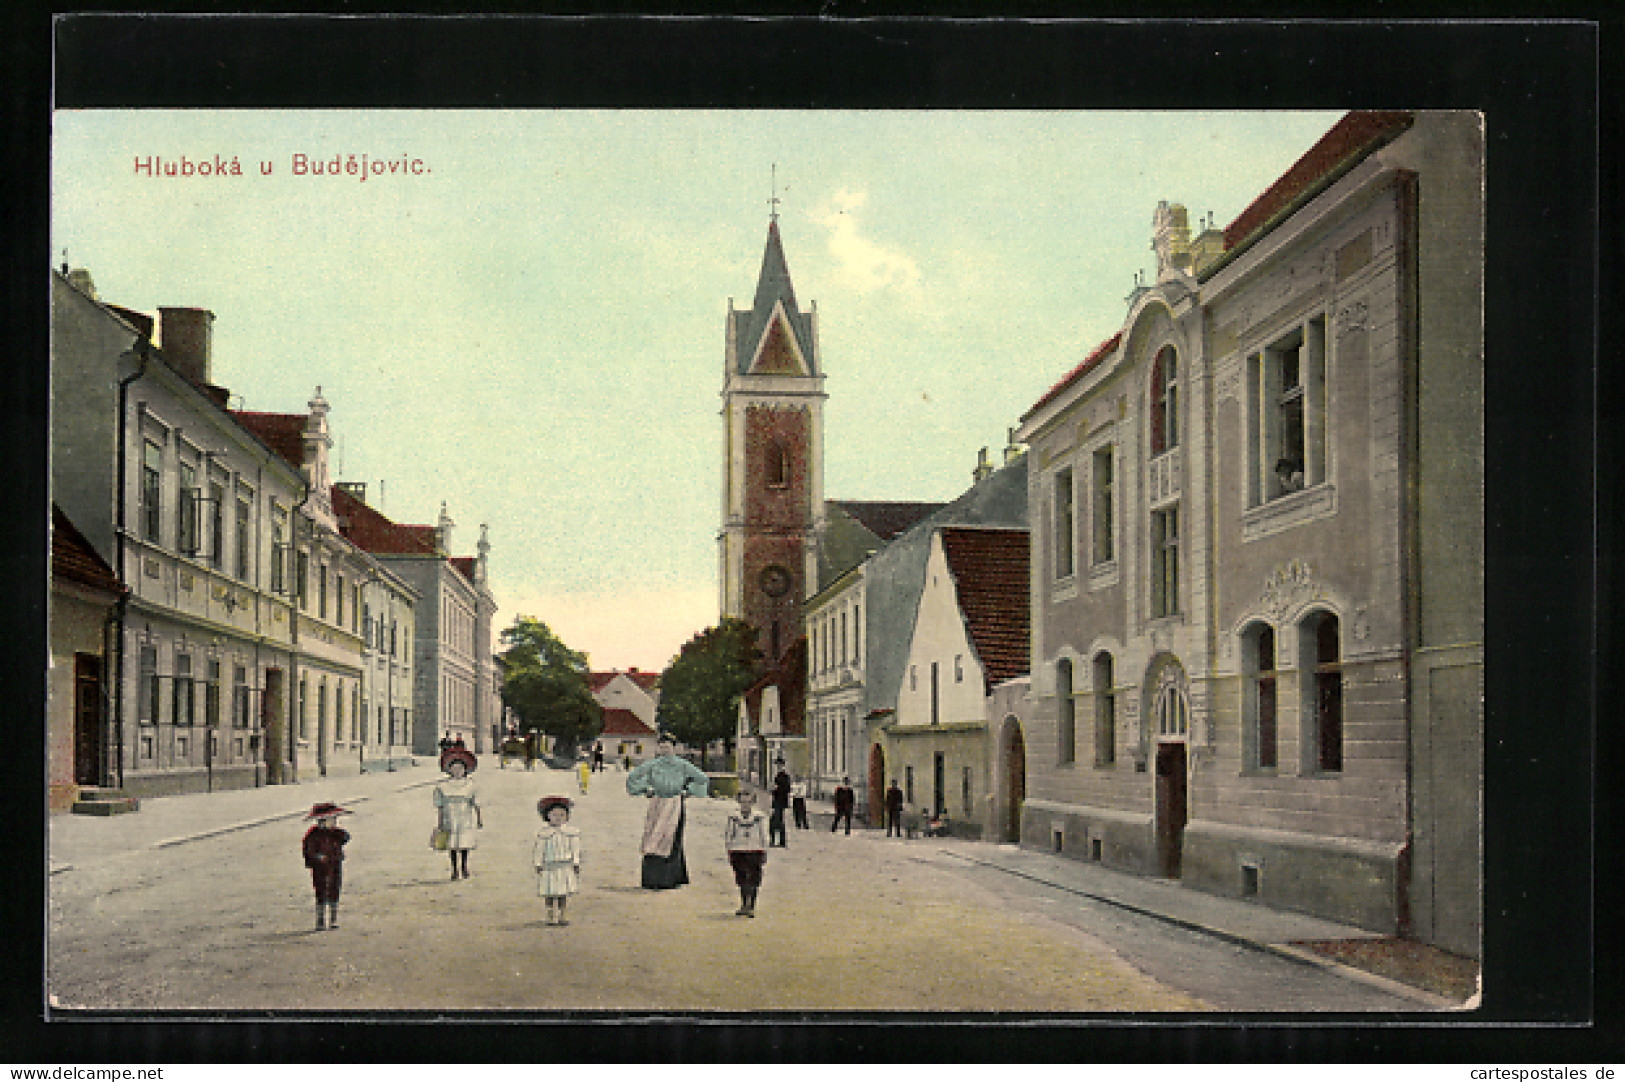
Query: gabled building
[[1257, 639], [626, 737], [633, 690], [968, 637]]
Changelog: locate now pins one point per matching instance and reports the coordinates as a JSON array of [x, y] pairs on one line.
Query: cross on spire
[[773, 203]]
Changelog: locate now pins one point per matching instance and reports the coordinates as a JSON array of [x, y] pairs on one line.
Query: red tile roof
[[597, 681], [73, 558], [283, 433], [370, 531], [465, 564], [1084, 366], [1352, 137], [990, 572], [618, 722]]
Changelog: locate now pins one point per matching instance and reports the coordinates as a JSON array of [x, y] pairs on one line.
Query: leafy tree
[[544, 682], [699, 691]]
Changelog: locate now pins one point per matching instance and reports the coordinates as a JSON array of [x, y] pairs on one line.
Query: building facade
[[194, 515], [85, 597], [1244, 502]]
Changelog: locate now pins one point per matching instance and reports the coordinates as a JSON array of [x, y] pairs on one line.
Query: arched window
[[1321, 650], [1165, 401], [1172, 712], [1105, 711], [1261, 737], [1066, 726]]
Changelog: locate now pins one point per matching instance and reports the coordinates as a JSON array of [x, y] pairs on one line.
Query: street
[[845, 923]]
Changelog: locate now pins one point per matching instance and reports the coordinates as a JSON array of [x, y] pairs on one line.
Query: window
[[913, 678], [301, 579], [149, 685], [1065, 716], [152, 509], [959, 668], [1105, 711], [936, 695], [1165, 401], [186, 503], [1165, 561], [321, 592], [857, 635], [965, 791], [1286, 411], [1324, 709], [1261, 715], [366, 624], [355, 608], [1172, 712], [1063, 524], [279, 552], [239, 697], [393, 628], [185, 698], [321, 710], [243, 539], [1101, 513], [777, 470], [217, 525], [843, 634], [338, 600], [304, 699], [211, 697], [908, 784]]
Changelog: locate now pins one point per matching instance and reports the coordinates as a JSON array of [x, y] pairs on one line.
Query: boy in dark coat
[[324, 856]]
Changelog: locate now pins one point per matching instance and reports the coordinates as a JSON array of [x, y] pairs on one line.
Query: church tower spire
[[773, 472]]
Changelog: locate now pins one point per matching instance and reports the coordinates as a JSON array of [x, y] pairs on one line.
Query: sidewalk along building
[[968, 636], [1257, 640], [193, 514]]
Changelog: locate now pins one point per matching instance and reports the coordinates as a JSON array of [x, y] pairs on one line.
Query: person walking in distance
[[781, 804], [556, 855], [458, 803], [894, 810], [324, 856], [798, 803], [665, 780], [746, 842], [598, 757], [844, 799]]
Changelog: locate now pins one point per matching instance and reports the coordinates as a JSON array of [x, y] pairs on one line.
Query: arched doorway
[[1170, 714], [1013, 753], [877, 785]]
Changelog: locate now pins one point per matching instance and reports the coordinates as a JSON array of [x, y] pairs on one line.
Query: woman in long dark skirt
[[665, 780]]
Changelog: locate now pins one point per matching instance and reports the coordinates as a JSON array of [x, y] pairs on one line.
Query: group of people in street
[[667, 781]]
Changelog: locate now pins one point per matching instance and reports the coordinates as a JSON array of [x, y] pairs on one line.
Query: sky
[[526, 321]]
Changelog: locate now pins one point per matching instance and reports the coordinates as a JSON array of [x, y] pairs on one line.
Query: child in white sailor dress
[[556, 856]]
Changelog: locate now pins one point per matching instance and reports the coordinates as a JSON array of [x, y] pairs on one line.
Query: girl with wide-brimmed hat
[[323, 849], [556, 856], [457, 801]]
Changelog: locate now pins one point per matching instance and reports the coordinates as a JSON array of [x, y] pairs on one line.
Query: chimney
[[357, 489], [188, 338], [79, 278], [1012, 449], [983, 469]]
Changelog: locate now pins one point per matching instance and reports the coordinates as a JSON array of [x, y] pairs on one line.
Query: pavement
[[166, 822]]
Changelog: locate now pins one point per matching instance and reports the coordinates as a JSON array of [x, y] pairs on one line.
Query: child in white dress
[[556, 856]]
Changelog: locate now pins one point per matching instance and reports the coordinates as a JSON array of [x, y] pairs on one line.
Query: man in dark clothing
[[597, 757], [781, 803], [894, 810], [844, 798]]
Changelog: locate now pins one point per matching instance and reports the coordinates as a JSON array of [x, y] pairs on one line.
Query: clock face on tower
[[775, 581]]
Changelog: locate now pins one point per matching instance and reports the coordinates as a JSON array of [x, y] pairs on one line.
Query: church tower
[[773, 456]]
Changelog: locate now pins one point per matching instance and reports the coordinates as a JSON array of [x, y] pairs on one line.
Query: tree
[[544, 682], [699, 691]]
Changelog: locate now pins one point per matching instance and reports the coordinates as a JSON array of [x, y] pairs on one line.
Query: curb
[[1280, 950], [246, 824]]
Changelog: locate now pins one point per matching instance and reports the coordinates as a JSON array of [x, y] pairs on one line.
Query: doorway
[[877, 786], [939, 785], [1170, 807], [87, 719], [1015, 778]]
